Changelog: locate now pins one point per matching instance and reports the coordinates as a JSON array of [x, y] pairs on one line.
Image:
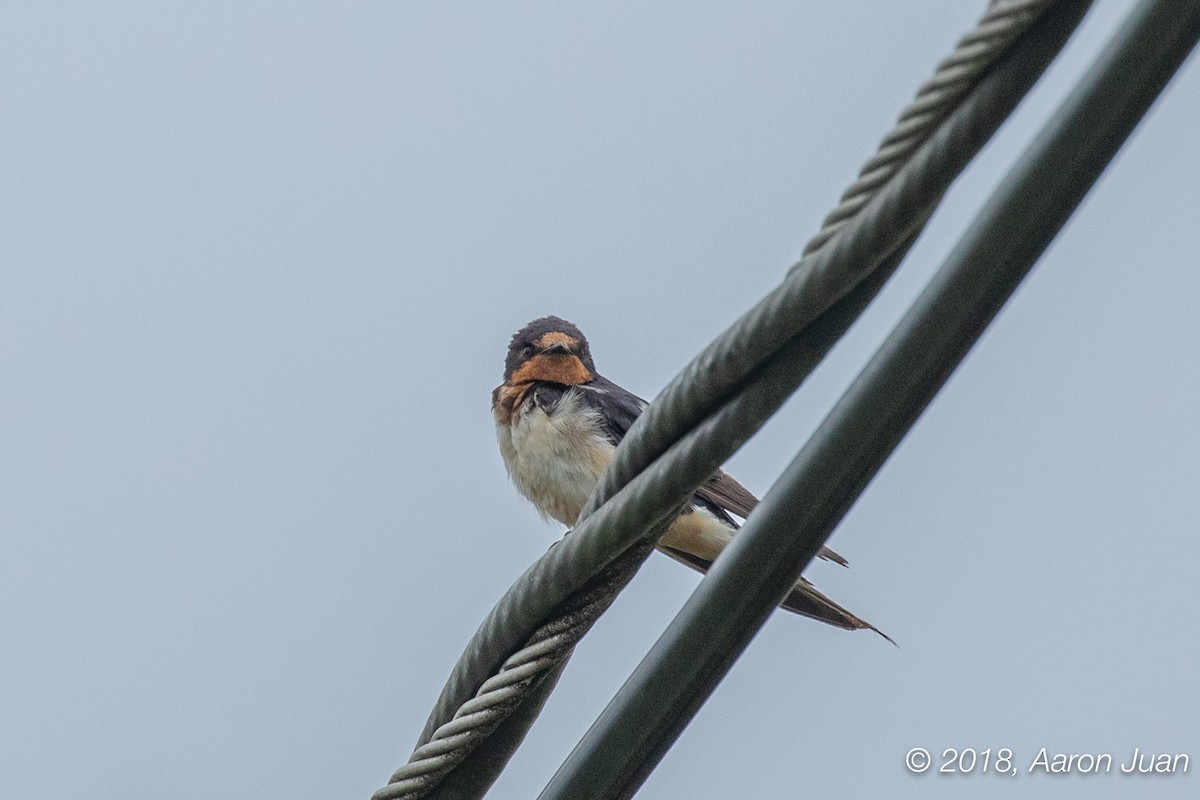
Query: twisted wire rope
[[999, 248], [596, 538], [697, 424], [1003, 22], [479, 717], [830, 267]]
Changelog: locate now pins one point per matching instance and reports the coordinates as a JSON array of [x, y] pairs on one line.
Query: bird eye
[[526, 351]]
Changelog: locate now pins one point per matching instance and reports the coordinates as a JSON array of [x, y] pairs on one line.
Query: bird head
[[549, 349]]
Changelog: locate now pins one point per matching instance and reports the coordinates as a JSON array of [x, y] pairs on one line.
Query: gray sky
[[260, 265]]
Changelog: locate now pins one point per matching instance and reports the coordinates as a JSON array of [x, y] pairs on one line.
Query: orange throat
[[565, 369]]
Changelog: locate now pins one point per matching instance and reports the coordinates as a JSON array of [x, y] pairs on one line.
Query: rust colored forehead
[[556, 337]]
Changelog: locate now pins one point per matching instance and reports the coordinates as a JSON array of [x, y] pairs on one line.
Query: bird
[[558, 422]]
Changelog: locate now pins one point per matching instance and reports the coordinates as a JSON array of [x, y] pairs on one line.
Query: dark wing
[[720, 494], [722, 491], [727, 493], [618, 407]]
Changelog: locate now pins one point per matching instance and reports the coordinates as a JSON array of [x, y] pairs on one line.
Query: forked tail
[[804, 599]]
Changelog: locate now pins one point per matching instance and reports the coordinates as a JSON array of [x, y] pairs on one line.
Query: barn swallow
[[559, 421]]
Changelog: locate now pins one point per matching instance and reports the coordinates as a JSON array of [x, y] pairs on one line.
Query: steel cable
[[799, 512], [765, 357], [833, 263], [479, 717]]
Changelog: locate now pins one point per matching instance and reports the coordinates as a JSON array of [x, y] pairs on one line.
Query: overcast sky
[[259, 263]]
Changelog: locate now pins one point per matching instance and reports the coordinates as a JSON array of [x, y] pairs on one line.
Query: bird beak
[[556, 350]]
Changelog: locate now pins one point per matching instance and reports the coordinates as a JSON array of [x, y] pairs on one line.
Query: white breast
[[555, 460]]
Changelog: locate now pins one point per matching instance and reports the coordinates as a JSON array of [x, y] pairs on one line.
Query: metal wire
[[1004, 21], [826, 290], [837, 258]]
